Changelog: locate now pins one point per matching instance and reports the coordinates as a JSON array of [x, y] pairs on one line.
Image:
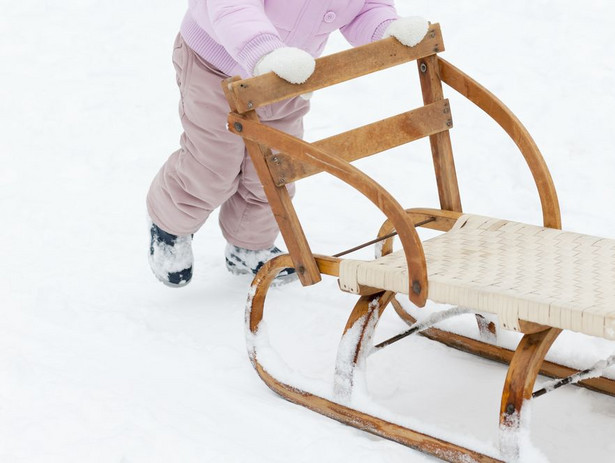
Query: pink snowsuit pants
[[212, 167]]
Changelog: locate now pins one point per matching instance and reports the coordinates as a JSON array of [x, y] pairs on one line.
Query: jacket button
[[330, 17]]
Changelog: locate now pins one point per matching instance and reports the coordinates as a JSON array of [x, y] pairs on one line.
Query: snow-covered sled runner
[[537, 280]]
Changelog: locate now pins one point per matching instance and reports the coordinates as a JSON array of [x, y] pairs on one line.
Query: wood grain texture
[[367, 140], [281, 205], [257, 133], [441, 148], [249, 94]]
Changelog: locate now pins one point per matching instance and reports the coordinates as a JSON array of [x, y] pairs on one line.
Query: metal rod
[[420, 326], [382, 238], [588, 373]]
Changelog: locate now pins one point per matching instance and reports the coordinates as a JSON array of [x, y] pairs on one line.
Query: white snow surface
[[100, 362]]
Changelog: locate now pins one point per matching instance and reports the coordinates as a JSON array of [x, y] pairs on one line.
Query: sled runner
[[537, 280]]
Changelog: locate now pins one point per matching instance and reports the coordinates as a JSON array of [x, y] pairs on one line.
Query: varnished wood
[[381, 198], [531, 327], [281, 206], [252, 93], [489, 103], [367, 140], [364, 307], [523, 369], [441, 149], [519, 385], [328, 265]]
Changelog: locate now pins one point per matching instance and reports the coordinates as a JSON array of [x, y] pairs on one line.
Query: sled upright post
[[479, 264]]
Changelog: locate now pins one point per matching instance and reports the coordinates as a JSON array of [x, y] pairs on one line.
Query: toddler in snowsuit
[[221, 38]]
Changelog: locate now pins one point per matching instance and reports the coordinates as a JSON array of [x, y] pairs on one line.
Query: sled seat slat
[[517, 271], [367, 140]]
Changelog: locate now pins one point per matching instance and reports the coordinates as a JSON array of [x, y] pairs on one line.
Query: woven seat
[[517, 271]]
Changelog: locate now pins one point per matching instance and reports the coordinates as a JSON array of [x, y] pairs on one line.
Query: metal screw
[[275, 160], [423, 67], [250, 105], [510, 409], [449, 123], [416, 287], [238, 127]]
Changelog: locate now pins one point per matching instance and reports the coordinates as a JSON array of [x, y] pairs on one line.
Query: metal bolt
[[416, 287], [423, 67], [275, 160], [510, 409], [238, 127]]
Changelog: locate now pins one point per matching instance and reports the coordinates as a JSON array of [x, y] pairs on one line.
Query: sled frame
[[280, 159]]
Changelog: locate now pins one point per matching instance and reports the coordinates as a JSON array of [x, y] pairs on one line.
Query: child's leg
[[205, 171], [246, 218]]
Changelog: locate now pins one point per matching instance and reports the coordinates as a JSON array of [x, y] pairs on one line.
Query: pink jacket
[[233, 35]]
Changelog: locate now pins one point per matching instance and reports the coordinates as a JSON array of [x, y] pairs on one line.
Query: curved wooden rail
[[500, 113], [305, 152], [440, 448]]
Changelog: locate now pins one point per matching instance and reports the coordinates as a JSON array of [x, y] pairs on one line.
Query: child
[[221, 38]]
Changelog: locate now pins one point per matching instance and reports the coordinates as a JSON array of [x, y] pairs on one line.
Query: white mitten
[[291, 64], [409, 31]]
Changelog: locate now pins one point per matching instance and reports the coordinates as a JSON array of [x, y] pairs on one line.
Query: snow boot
[[241, 261], [170, 257]]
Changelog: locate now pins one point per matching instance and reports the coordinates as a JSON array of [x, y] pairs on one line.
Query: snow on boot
[[170, 257], [241, 261]]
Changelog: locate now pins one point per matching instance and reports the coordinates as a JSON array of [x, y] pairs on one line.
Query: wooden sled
[[538, 280]]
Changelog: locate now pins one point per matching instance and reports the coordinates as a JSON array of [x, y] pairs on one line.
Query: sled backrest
[[280, 159], [276, 169]]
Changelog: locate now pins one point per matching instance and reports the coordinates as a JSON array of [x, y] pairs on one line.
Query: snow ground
[[101, 363]]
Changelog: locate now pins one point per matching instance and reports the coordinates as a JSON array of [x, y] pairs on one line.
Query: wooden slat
[[283, 209], [328, 265], [256, 132], [333, 69], [442, 151], [367, 140]]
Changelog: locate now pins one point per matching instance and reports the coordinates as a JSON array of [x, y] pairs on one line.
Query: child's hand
[[291, 64], [409, 31]]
